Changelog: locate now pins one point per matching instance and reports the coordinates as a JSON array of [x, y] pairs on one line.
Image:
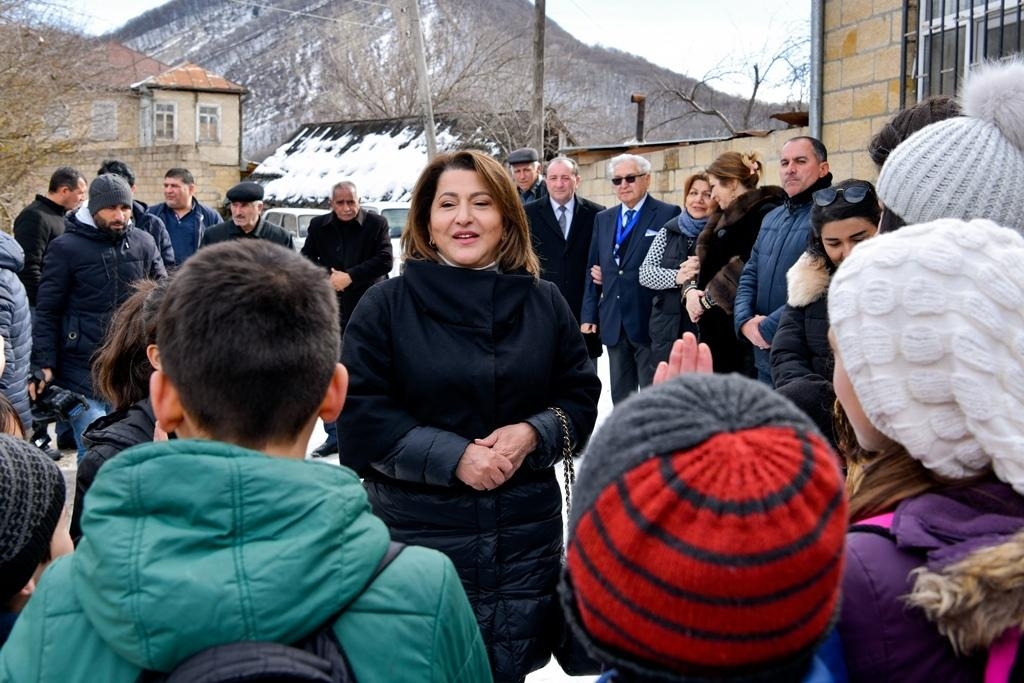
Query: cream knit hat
[[929, 322], [968, 166]]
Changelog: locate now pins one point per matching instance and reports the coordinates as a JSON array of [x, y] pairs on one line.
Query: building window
[[103, 121], [956, 35], [57, 122], [165, 121], [208, 123]]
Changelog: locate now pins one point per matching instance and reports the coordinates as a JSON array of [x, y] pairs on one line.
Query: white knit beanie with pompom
[[966, 167], [929, 323]]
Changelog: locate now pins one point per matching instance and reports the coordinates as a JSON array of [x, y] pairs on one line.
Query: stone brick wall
[[860, 80], [671, 166]]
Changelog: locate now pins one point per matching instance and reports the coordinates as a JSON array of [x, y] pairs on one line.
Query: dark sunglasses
[[854, 194], [630, 179]]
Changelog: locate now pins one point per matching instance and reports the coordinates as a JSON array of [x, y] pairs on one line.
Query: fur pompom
[[995, 92]]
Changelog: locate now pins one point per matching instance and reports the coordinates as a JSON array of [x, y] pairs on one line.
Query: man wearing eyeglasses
[[561, 229], [614, 303], [761, 293]]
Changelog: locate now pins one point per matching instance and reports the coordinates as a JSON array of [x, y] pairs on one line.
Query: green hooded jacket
[[189, 544]]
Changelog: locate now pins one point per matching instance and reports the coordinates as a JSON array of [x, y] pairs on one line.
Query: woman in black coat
[[723, 247], [843, 216], [671, 262], [468, 379]]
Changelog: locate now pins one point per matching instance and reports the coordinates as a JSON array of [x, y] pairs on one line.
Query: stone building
[[873, 58]]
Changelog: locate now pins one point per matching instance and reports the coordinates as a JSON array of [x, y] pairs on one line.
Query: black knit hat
[[31, 501], [706, 535]]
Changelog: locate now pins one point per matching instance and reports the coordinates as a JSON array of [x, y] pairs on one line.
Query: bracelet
[[707, 302], [690, 286]]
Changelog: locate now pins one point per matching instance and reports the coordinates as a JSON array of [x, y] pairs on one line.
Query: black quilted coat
[[436, 358]]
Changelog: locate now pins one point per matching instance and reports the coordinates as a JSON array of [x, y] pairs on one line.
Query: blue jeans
[[82, 416], [332, 432]]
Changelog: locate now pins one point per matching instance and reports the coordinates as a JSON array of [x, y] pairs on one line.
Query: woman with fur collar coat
[[723, 247], [842, 216]]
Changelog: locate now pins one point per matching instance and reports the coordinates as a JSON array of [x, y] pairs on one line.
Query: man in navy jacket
[[761, 293], [614, 303]]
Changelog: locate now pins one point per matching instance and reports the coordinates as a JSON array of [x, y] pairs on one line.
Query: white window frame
[[199, 122], [158, 130], [973, 17], [103, 120]]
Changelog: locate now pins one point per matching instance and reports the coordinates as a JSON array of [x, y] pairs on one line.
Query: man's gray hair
[[642, 164], [347, 184]]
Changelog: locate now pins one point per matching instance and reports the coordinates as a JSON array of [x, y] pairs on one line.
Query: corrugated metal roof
[[190, 76]]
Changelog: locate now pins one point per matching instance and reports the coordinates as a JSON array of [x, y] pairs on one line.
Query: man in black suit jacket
[[563, 244], [614, 302]]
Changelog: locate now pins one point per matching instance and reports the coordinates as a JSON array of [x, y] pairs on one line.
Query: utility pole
[[407, 14], [538, 73]]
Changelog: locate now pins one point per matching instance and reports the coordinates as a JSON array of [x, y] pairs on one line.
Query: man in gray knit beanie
[[87, 273], [33, 529], [109, 190]]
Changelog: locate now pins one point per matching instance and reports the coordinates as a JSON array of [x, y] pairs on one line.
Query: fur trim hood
[[972, 583], [973, 601], [807, 280]]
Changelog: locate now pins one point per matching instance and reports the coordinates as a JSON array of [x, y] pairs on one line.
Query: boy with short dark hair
[[204, 540]]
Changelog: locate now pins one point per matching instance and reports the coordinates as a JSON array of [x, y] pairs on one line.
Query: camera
[[55, 403]]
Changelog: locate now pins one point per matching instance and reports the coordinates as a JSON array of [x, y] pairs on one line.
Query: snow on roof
[[382, 157]]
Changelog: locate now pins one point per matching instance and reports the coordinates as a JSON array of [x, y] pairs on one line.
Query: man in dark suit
[[353, 246], [614, 302], [561, 227]]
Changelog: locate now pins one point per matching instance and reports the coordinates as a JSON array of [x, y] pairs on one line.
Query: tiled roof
[[126, 66], [193, 77]]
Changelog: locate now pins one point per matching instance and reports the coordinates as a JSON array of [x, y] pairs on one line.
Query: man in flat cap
[[247, 219], [525, 164], [87, 273]]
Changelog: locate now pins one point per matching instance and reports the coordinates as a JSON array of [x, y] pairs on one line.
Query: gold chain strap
[[568, 468]]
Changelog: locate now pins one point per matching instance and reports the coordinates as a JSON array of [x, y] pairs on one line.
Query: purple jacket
[[948, 534]]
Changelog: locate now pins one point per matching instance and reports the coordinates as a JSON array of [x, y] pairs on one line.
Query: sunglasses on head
[[629, 179], [854, 194]]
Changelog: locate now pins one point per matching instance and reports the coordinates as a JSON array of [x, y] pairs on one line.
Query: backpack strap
[[324, 642], [1001, 658], [883, 520]]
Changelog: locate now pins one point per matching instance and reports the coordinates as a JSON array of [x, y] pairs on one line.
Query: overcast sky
[[688, 36]]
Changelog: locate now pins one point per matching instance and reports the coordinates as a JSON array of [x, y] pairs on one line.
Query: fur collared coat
[[801, 357], [723, 248], [924, 600]]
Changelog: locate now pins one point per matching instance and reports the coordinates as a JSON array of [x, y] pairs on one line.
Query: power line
[[251, 3]]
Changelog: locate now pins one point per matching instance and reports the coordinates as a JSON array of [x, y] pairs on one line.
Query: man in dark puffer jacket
[[87, 274], [761, 293]]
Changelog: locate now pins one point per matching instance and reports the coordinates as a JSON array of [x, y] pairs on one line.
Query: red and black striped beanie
[[706, 535]]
